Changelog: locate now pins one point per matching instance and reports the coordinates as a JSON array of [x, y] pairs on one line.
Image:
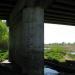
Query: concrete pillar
[[11, 44], [27, 45]]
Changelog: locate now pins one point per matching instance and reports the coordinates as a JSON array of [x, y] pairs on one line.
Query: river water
[[48, 71]]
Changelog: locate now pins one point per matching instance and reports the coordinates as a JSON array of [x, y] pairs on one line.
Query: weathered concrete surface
[[27, 40]]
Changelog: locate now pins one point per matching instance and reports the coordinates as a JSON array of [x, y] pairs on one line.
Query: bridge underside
[[25, 19], [55, 11]]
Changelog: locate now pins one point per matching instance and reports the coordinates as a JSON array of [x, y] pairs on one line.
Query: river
[[48, 71]]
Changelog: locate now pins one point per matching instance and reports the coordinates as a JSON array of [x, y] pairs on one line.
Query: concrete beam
[[29, 3]]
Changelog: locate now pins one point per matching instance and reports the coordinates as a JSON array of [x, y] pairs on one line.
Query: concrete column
[[27, 37], [33, 39], [11, 41], [11, 44]]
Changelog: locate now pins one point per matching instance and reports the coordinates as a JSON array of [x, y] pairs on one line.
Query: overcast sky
[[58, 33]]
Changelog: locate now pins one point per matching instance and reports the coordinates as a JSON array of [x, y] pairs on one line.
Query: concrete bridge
[[26, 19]]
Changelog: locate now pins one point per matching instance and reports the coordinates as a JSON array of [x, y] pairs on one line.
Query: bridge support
[[27, 40]]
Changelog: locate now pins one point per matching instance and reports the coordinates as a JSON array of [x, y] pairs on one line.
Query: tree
[[3, 34]]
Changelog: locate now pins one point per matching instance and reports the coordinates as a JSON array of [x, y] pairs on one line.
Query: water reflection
[[48, 71]]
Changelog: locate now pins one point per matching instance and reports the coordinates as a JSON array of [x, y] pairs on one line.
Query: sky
[[54, 33]]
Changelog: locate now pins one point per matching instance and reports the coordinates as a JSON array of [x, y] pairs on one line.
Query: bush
[[3, 55], [56, 52]]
